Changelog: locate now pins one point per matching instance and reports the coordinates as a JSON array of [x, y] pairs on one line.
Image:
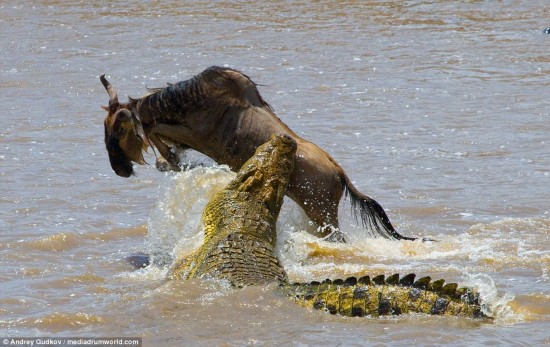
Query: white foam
[[493, 304], [175, 230], [175, 223], [149, 274]]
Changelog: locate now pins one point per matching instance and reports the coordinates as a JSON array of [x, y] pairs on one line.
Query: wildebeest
[[221, 114]]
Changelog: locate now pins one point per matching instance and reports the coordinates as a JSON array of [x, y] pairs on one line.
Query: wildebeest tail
[[371, 214]]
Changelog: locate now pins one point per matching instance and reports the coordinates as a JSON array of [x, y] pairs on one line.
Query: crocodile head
[[266, 174]]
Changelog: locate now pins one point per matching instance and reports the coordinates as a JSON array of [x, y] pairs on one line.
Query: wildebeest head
[[124, 136]]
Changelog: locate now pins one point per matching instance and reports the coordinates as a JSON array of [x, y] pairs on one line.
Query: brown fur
[[221, 113]]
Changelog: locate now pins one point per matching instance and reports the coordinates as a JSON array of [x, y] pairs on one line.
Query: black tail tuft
[[370, 212]]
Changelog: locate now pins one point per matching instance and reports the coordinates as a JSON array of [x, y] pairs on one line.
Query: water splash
[[175, 224], [478, 257], [493, 304]]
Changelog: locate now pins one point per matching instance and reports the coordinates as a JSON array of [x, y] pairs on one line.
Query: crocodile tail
[[370, 212], [379, 296]]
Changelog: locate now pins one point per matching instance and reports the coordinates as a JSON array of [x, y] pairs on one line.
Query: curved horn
[[113, 98]]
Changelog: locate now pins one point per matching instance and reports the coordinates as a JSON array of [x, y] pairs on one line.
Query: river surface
[[437, 109]]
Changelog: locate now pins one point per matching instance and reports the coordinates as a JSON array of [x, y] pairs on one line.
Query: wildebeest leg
[[326, 218], [323, 211], [169, 160], [164, 165], [327, 222], [138, 260]]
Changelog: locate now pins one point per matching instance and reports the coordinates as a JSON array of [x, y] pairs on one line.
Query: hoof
[[163, 165], [138, 261], [336, 236]]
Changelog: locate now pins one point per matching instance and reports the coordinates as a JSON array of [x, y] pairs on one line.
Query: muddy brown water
[[437, 109]]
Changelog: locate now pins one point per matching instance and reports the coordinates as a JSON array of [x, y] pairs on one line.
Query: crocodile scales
[[239, 242]]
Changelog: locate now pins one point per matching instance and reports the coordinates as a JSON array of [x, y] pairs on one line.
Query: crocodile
[[239, 246]]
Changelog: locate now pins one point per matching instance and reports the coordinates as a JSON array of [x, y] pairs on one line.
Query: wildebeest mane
[[212, 88]]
